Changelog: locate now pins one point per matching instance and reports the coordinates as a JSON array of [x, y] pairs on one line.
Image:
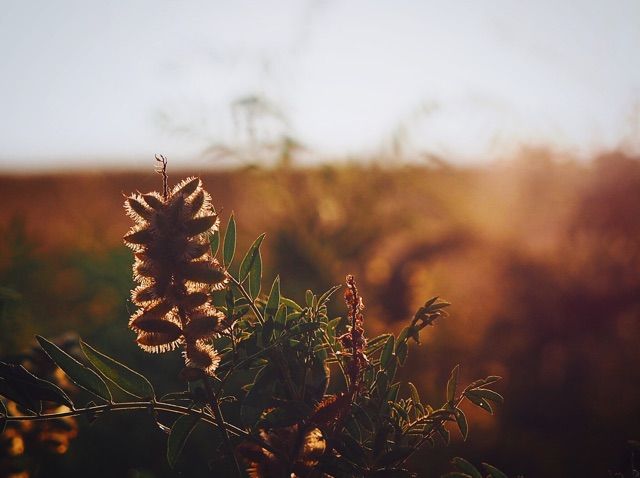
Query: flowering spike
[[175, 271]]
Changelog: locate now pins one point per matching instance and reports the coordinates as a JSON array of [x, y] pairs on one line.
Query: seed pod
[[186, 187], [142, 237], [153, 200], [158, 342], [200, 225], [203, 272]]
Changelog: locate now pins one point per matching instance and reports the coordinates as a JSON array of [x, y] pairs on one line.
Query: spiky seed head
[[175, 272]]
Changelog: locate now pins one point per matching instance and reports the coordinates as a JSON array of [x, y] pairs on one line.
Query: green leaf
[[229, 247], [452, 383], [376, 343], [466, 467], [392, 395], [128, 380], [387, 352], [24, 388], [291, 304], [281, 318], [327, 295], [402, 350], [456, 474], [255, 276], [303, 328], [250, 258], [488, 394], [178, 436], [463, 425], [493, 471], [274, 298], [415, 396], [308, 298], [78, 373], [478, 401], [214, 242]]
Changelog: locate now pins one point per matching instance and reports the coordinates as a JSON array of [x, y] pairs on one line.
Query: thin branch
[[217, 413], [246, 295]]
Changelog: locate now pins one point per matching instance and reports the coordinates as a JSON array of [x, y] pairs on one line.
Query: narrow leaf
[[250, 258], [489, 394], [387, 352], [229, 247], [493, 471], [255, 276], [128, 380], [452, 383], [29, 389], [178, 436], [274, 298], [478, 401], [327, 295], [78, 373], [466, 467], [463, 425], [214, 242]]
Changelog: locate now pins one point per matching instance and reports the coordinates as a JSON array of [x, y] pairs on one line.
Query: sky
[[95, 83]]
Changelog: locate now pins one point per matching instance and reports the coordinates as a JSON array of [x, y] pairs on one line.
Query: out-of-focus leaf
[[128, 380], [214, 242], [24, 388], [463, 425], [178, 436], [250, 258], [452, 383], [493, 471], [478, 401], [229, 246], [456, 474], [466, 467], [78, 373], [274, 298]]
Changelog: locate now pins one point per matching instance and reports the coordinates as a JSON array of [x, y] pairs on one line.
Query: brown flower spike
[[175, 272]]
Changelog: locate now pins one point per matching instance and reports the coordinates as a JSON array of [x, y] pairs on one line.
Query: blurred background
[[484, 152]]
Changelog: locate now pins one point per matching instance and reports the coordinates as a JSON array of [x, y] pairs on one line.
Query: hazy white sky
[[86, 79]]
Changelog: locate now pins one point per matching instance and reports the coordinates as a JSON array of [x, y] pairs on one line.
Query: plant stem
[[246, 295], [217, 413]]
